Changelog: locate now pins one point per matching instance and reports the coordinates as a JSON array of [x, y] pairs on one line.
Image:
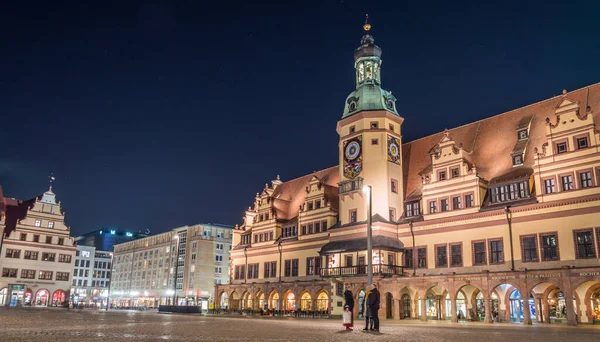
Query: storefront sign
[[545, 275], [469, 279], [589, 274], [503, 277]]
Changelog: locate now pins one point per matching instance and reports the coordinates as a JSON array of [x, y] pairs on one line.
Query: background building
[[146, 272], [37, 253], [493, 219], [106, 239], [91, 277]]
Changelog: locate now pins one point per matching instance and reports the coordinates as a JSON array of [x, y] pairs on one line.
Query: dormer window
[[317, 204], [442, 175], [266, 216], [310, 205], [413, 209], [517, 160], [509, 192], [523, 134], [561, 147]]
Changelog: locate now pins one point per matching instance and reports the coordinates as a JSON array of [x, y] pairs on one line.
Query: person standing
[[349, 306], [367, 311], [373, 302]]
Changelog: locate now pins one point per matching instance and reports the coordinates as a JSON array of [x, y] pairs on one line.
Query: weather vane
[[52, 178], [367, 26]]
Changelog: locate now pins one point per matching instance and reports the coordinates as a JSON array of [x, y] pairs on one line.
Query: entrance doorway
[[389, 305], [406, 309]]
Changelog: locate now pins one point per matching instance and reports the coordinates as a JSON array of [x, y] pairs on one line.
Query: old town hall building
[[496, 220]]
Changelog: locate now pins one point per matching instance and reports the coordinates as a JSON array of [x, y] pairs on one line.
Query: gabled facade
[[37, 253], [495, 219]]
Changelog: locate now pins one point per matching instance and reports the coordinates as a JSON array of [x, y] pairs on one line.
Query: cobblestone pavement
[[59, 325]]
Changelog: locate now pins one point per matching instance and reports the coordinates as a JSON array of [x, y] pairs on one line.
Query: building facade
[[37, 253], [179, 266], [91, 277], [106, 239], [498, 219]]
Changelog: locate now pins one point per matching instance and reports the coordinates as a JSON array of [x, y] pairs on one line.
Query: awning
[[355, 245]]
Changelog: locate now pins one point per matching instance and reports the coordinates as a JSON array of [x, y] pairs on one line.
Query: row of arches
[[288, 301], [546, 302], [41, 298]]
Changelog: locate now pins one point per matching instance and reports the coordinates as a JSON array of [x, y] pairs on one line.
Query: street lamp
[[369, 191], [109, 281], [279, 247], [246, 265], [176, 238]]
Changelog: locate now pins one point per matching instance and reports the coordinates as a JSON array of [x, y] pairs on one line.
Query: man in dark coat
[[373, 303], [349, 299]]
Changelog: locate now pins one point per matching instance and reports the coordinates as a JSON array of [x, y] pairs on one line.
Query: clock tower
[[370, 142]]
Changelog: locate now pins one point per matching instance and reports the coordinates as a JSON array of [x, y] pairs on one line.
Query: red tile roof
[[291, 194], [490, 141]]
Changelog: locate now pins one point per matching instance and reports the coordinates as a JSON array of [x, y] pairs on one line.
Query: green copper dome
[[368, 94]]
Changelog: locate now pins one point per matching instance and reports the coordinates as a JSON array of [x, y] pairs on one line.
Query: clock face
[[393, 145], [394, 149], [352, 150]]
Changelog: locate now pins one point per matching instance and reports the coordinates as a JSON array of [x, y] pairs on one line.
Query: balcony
[[350, 186], [361, 270]]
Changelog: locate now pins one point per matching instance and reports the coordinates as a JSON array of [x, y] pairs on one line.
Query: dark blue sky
[[159, 114]]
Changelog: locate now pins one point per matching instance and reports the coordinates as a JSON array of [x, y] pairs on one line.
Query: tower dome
[[368, 94]]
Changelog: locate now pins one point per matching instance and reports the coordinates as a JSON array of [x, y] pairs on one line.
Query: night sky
[[154, 115]]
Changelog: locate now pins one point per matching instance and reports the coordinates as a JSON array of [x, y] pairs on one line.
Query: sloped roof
[[489, 142], [15, 211], [288, 196]]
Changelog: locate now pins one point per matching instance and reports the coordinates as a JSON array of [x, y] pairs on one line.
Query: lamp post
[[279, 247], [109, 281], [246, 265], [369, 191], [176, 237]]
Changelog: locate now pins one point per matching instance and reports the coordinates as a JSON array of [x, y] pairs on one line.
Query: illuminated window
[[38, 223]]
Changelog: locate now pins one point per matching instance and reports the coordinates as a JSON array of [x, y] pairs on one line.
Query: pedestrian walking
[[373, 302], [349, 309]]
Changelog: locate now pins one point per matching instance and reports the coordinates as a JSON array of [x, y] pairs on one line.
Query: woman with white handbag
[[348, 315]]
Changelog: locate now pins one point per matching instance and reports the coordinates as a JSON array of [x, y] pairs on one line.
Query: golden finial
[[367, 26]]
